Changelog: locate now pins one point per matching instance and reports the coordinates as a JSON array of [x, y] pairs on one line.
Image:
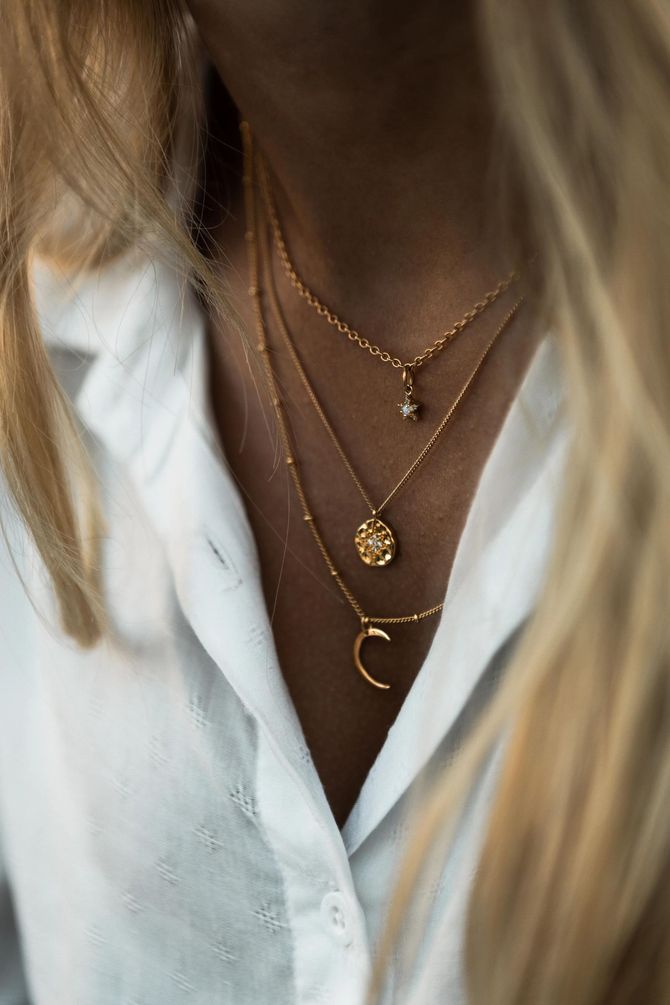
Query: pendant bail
[[409, 407]]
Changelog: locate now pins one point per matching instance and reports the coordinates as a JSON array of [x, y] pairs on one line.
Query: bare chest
[[345, 720]]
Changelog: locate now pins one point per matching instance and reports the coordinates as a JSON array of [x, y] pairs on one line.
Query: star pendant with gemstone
[[409, 409], [376, 544]]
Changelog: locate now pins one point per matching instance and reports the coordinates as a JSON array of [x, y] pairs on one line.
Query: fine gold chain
[[308, 517], [332, 318], [304, 379]]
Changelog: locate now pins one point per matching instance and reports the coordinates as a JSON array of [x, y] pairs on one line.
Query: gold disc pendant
[[375, 543]]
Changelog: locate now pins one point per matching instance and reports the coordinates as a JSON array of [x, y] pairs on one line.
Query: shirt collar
[[137, 325], [145, 397], [142, 336]]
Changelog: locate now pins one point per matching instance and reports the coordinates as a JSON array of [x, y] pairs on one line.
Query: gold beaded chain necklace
[[367, 622], [409, 407], [376, 543]]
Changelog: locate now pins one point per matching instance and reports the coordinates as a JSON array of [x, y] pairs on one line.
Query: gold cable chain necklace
[[409, 407], [367, 622], [375, 542]]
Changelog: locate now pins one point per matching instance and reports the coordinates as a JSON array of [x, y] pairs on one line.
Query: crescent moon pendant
[[367, 633]]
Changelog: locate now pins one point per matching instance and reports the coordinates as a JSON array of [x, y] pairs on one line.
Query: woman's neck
[[376, 124]]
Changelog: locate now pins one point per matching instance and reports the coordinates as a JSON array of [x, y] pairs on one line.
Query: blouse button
[[336, 919]]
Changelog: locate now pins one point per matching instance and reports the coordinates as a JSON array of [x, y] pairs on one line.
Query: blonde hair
[[571, 901]]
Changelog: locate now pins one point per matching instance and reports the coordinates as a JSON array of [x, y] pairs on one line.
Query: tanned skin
[[376, 121]]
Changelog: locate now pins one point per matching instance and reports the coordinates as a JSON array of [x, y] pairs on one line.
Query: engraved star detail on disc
[[409, 408], [375, 543]]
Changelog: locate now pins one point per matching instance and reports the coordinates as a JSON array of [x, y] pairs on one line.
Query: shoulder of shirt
[[97, 326], [128, 345], [108, 312], [76, 315], [76, 318]]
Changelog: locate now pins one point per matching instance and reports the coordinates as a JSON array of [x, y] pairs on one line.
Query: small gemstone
[[409, 408], [375, 543]]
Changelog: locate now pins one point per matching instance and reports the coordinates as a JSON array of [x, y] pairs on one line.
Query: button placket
[[323, 911]]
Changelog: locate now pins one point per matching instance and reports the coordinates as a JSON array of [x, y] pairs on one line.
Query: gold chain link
[[332, 318]]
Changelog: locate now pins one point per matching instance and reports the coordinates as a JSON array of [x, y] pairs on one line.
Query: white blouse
[[164, 836]]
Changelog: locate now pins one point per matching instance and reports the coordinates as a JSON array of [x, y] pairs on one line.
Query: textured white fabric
[[164, 837]]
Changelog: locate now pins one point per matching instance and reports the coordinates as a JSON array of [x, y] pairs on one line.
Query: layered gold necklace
[[368, 623]]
